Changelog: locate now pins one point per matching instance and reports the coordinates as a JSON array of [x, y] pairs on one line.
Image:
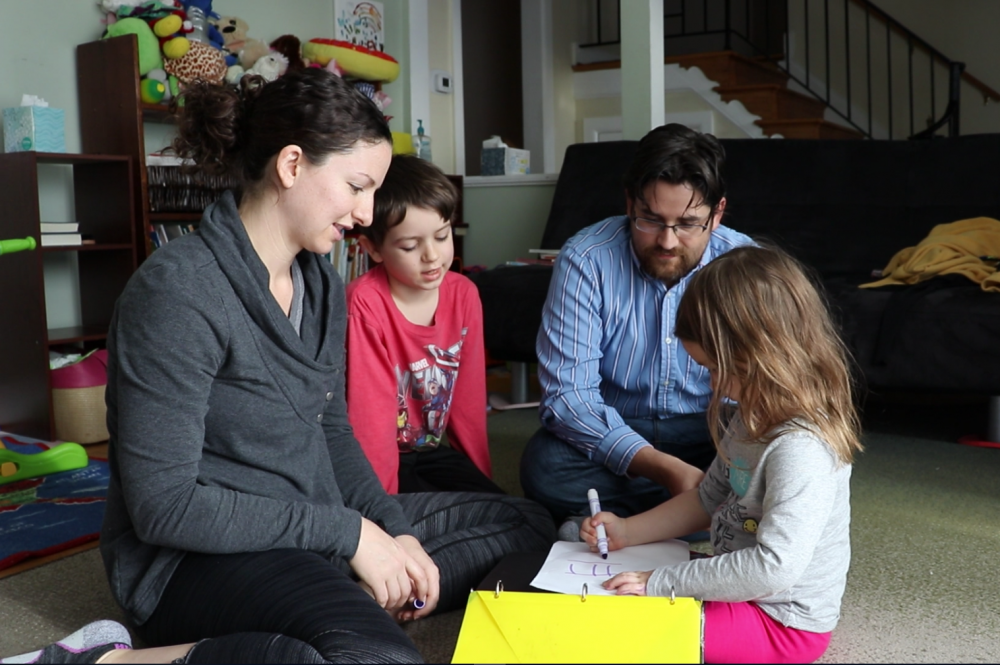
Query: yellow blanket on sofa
[[957, 247]]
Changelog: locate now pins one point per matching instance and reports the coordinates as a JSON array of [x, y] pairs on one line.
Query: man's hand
[[671, 472]]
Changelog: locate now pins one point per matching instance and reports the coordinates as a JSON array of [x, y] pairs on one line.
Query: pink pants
[[744, 633]]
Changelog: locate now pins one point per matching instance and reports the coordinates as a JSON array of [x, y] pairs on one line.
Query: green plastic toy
[[16, 245], [64, 457]]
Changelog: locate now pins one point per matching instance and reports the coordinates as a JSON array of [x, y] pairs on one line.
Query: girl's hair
[[759, 318], [410, 182], [236, 130]]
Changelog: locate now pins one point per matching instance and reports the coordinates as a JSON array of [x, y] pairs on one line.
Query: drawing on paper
[[591, 569], [361, 23]]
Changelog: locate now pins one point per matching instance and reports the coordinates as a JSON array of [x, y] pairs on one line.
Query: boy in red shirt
[[416, 368]]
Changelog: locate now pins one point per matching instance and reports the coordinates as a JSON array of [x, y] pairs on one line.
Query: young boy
[[416, 367]]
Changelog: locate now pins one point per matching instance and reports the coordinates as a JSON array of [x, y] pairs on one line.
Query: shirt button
[[319, 418], [668, 340], [329, 396]]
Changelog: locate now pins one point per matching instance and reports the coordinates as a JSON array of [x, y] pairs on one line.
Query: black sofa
[[842, 207]]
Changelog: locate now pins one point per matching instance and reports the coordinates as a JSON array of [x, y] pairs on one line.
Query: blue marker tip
[[418, 604]]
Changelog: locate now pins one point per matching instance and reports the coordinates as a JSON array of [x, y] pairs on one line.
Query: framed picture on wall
[[360, 23]]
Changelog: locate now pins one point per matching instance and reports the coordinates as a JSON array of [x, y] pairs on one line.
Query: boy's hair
[[760, 319], [410, 181]]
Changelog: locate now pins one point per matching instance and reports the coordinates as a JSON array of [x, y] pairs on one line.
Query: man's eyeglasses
[[684, 231]]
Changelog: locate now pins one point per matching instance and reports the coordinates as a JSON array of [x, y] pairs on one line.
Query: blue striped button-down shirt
[[606, 348]]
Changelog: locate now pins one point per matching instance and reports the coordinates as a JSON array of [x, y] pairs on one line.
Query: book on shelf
[[61, 239], [161, 234], [59, 227]]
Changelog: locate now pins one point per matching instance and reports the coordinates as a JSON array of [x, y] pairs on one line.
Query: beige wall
[[441, 56]]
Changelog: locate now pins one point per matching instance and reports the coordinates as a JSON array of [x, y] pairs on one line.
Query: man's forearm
[[666, 470]]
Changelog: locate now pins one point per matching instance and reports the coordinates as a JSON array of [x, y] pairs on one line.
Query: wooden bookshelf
[[103, 205]]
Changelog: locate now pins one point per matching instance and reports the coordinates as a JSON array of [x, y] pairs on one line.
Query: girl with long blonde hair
[[777, 497]]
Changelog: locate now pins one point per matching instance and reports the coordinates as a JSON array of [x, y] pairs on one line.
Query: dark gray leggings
[[294, 606]]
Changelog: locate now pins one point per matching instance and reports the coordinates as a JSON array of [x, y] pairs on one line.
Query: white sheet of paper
[[570, 565]]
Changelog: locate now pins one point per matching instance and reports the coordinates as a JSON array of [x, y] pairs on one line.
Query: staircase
[[763, 89]]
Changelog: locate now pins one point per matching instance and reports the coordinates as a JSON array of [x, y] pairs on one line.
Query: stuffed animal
[[270, 67], [291, 47], [168, 82], [149, 45], [234, 35], [171, 31], [240, 49], [201, 61]]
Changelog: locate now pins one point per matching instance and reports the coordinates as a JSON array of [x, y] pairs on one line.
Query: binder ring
[[583, 593], [673, 598], [499, 589]]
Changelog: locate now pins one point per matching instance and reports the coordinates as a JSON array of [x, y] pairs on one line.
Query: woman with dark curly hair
[[244, 523]]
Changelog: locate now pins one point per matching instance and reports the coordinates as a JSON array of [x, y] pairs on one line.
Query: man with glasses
[[623, 405]]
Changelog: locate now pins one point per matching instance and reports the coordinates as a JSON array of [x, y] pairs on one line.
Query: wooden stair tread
[[773, 102], [809, 128], [763, 90]]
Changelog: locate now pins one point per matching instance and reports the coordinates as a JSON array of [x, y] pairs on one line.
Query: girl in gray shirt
[[777, 496]]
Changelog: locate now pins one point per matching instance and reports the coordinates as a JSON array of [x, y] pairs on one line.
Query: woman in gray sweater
[[244, 523]]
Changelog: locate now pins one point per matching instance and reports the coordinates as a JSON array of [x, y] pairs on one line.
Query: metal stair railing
[[850, 75]]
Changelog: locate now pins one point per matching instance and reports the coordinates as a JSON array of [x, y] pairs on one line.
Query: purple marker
[[418, 604], [602, 536]]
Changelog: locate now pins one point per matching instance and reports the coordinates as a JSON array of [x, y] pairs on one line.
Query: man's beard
[[669, 273]]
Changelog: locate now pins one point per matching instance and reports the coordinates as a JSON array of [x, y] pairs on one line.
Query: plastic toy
[[16, 245], [356, 61], [18, 466]]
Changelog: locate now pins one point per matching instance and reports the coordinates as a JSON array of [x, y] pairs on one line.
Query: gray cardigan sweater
[[229, 430]]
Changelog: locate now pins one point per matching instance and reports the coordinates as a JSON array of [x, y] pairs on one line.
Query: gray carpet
[[924, 577]]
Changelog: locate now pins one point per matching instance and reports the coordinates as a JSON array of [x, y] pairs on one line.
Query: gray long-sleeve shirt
[[229, 430], [780, 531]]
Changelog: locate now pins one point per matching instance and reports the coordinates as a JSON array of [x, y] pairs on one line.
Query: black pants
[[442, 469], [293, 606]]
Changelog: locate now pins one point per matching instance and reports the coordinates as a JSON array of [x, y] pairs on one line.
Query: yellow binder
[[517, 627]]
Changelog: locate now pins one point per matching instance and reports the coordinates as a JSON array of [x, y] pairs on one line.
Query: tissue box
[[40, 128], [505, 161]]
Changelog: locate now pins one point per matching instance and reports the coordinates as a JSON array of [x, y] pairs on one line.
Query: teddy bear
[[239, 48]]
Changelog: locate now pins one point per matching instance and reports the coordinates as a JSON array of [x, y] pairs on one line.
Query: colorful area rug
[[45, 515]]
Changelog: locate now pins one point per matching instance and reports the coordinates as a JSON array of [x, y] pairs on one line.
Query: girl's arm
[[680, 516]]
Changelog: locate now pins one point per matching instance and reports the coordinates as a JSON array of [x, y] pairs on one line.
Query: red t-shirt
[[408, 384]]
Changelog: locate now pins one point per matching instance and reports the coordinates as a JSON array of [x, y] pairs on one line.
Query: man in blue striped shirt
[[623, 405]]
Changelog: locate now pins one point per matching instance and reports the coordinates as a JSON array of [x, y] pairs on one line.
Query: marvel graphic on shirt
[[424, 393]]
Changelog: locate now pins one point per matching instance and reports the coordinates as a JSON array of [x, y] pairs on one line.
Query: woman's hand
[[616, 529], [629, 584], [425, 578], [383, 565]]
